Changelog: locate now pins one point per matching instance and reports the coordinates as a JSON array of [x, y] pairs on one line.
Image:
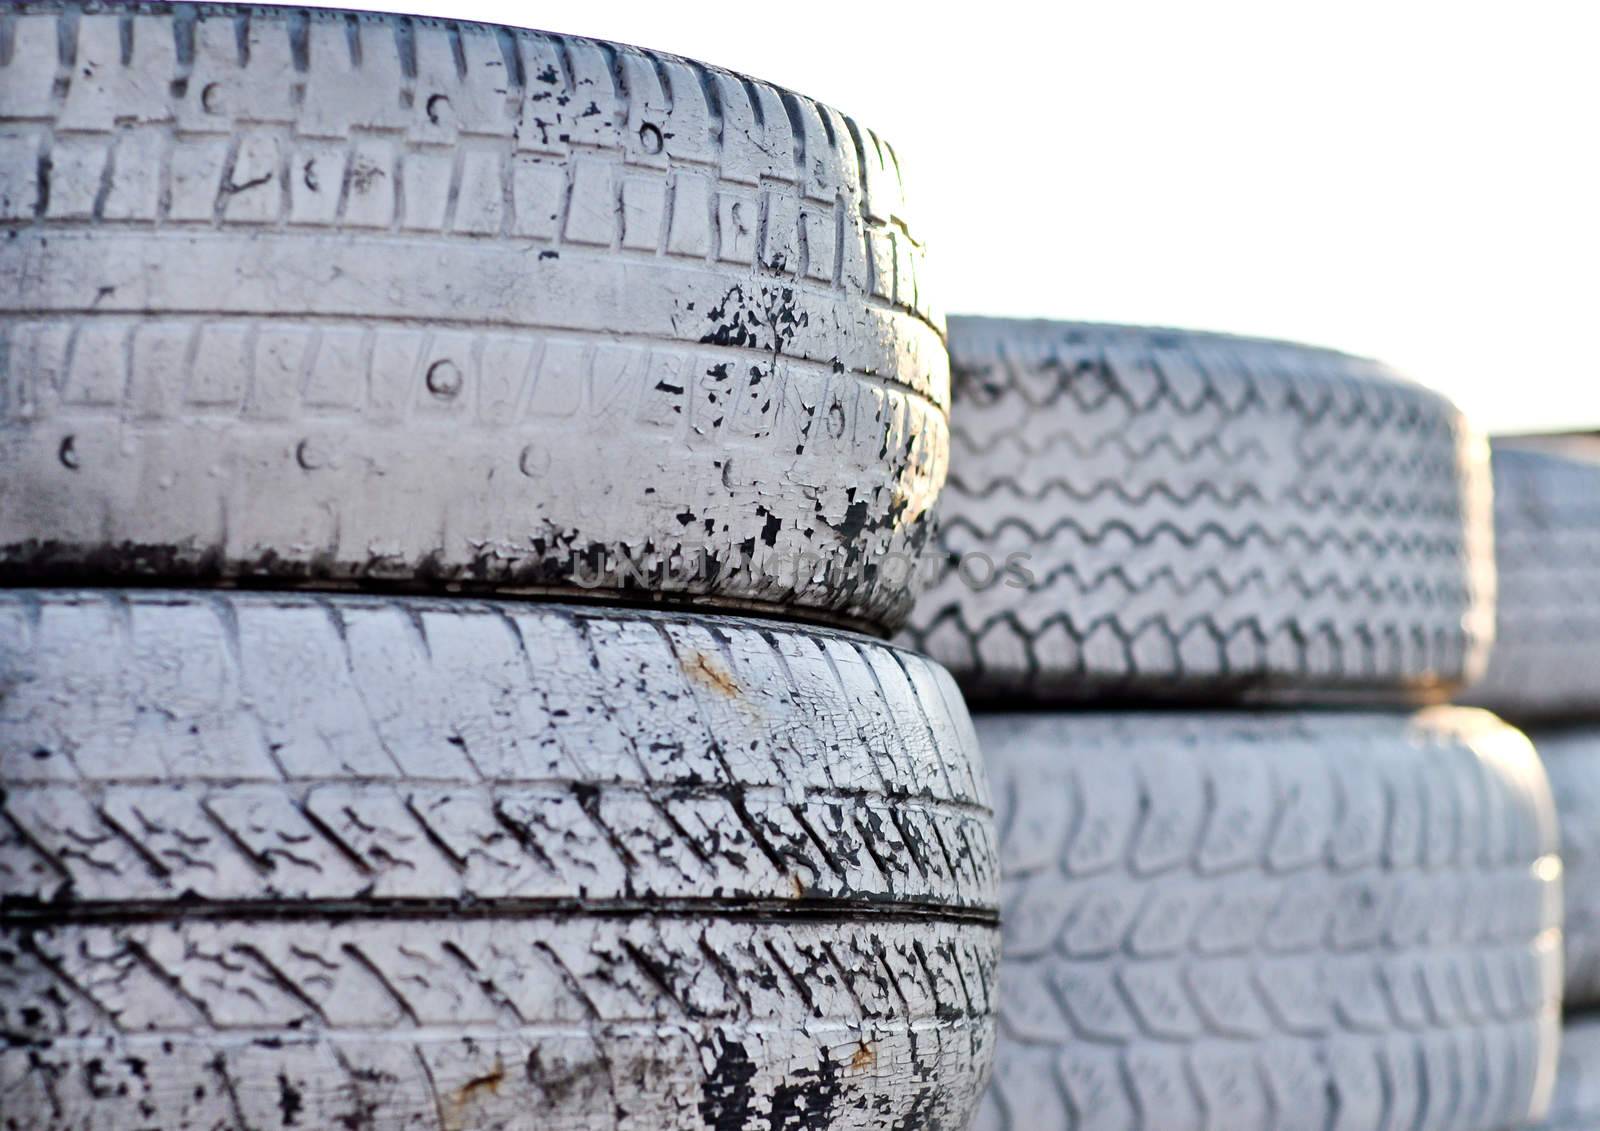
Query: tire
[[1576, 1106], [1138, 513], [343, 300], [1547, 547], [1289, 920], [276, 861], [1572, 759], [1579, 445]]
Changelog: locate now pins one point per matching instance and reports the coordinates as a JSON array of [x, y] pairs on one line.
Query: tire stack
[[1543, 676], [1196, 588], [448, 478]]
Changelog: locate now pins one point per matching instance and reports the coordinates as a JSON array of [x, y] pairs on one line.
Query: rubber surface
[[1572, 759], [276, 861], [1576, 1106], [1142, 513], [336, 300], [1292, 920], [1547, 546]]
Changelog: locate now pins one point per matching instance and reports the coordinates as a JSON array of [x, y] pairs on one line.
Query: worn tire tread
[[1290, 920], [389, 283], [1202, 516], [275, 860]]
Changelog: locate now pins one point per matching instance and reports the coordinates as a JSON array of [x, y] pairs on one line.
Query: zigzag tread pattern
[[383, 840], [449, 1025], [1166, 512], [1572, 758], [1291, 919], [1547, 551]]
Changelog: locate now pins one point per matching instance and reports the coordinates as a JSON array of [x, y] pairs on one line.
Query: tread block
[[1294, 985], [1198, 516], [386, 177]]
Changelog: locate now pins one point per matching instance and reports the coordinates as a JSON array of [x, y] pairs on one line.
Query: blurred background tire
[[1572, 758], [1576, 1106], [1145, 514], [1547, 551], [1271, 920]]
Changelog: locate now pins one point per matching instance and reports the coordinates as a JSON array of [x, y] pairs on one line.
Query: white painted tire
[[1202, 516], [1576, 1106], [1297, 920], [1572, 759], [315, 298], [277, 861], [1547, 548]]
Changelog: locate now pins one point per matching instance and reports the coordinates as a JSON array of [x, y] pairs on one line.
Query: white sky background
[[1418, 182]]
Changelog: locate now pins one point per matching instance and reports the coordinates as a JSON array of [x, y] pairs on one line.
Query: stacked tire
[[1543, 677], [454, 484], [1202, 593]]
